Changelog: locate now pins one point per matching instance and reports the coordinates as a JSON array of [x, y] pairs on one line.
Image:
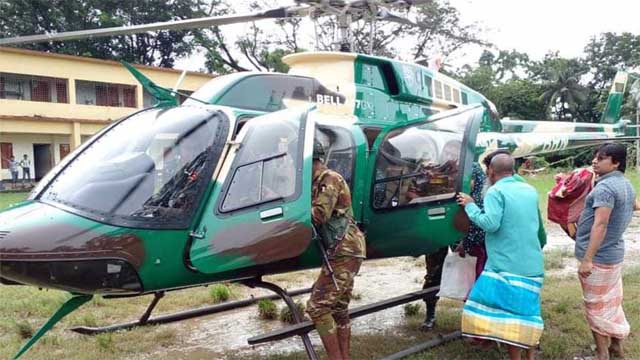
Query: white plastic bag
[[458, 276]]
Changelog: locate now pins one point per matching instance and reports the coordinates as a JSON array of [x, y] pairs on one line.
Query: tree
[[254, 50], [519, 99], [605, 55], [442, 29], [26, 17], [563, 94], [609, 53]]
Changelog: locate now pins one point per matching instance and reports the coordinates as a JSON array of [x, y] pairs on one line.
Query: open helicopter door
[[259, 212], [415, 173]]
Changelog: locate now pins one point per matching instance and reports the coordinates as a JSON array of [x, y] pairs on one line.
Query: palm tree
[[563, 94]]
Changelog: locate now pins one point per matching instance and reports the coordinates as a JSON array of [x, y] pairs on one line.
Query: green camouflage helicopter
[[219, 188]]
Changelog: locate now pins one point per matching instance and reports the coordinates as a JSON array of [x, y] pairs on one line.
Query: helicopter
[[219, 188]]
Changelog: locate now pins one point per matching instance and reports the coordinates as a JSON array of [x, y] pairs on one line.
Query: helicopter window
[[427, 85], [456, 96], [340, 150], [149, 169], [418, 164], [438, 88], [268, 92], [390, 78], [265, 168], [447, 92], [465, 101], [372, 133]]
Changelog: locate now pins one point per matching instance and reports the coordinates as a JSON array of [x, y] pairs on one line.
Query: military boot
[[430, 319], [344, 338], [331, 346]]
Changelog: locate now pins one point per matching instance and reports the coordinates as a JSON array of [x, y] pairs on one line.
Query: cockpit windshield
[[147, 170]]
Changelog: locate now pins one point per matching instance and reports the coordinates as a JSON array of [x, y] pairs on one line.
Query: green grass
[[267, 309], [24, 309], [220, 293], [6, 199], [565, 336]]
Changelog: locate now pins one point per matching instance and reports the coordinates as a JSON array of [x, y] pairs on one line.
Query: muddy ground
[[225, 335]]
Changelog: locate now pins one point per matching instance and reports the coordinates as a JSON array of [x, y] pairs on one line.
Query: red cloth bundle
[[566, 199]]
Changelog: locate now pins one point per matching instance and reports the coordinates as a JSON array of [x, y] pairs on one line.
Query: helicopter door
[[415, 175], [260, 213]]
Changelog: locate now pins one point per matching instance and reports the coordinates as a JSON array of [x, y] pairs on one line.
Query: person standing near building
[[504, 304], [13, 168], [25, 163], [332, 215], [600, 249]]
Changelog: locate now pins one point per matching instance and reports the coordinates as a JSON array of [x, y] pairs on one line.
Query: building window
[[65, 149], [148, 100], [6, 152], [105, 94], [33, 88], [184, 95]]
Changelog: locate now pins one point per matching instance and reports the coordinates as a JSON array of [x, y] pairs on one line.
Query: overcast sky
[[539, 26], [533, 27]]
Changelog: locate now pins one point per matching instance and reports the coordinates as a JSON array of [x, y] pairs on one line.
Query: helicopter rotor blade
[[277, 13]]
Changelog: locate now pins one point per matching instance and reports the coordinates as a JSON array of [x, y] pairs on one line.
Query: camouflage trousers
[[434, 263], [328, 307]]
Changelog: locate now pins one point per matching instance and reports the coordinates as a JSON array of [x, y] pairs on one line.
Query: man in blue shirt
[[504, 304], [600, 249]]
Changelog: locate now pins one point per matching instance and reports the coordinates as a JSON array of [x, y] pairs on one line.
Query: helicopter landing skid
[[307, 326], [145, 319], [285, 296]]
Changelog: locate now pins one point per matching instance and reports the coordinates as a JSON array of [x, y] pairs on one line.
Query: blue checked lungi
[[504, 307]]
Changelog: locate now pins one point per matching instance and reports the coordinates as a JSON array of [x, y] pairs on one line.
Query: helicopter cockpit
[[147, 170]]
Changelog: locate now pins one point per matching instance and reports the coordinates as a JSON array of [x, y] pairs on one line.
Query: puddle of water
[[228, 332]]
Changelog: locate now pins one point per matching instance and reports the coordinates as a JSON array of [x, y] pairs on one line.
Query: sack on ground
[[458, 276]]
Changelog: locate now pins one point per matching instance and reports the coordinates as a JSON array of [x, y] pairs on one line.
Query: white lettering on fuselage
[[362, 104], [328, 100]]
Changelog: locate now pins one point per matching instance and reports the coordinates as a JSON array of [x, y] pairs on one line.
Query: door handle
[[271, 213], [200, 234], [436, 213]]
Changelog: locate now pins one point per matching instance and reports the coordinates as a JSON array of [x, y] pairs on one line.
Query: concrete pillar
[[139, 96], [72, 91], [76, 138]]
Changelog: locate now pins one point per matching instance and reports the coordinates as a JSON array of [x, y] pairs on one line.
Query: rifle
[[325, 257]]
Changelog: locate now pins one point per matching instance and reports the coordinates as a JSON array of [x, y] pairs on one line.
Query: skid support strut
[[146, 320], [311, 353]]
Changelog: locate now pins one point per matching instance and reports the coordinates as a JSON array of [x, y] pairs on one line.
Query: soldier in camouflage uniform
[[328, 305]]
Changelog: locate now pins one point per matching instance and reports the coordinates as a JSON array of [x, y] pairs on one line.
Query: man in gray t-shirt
[[600, 249]]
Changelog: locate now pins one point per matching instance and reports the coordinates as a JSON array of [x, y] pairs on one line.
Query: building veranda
[[51, 103]]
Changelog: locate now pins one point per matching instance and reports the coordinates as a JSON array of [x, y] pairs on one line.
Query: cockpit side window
[[266, 166], [418, 164], [340, 149]]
